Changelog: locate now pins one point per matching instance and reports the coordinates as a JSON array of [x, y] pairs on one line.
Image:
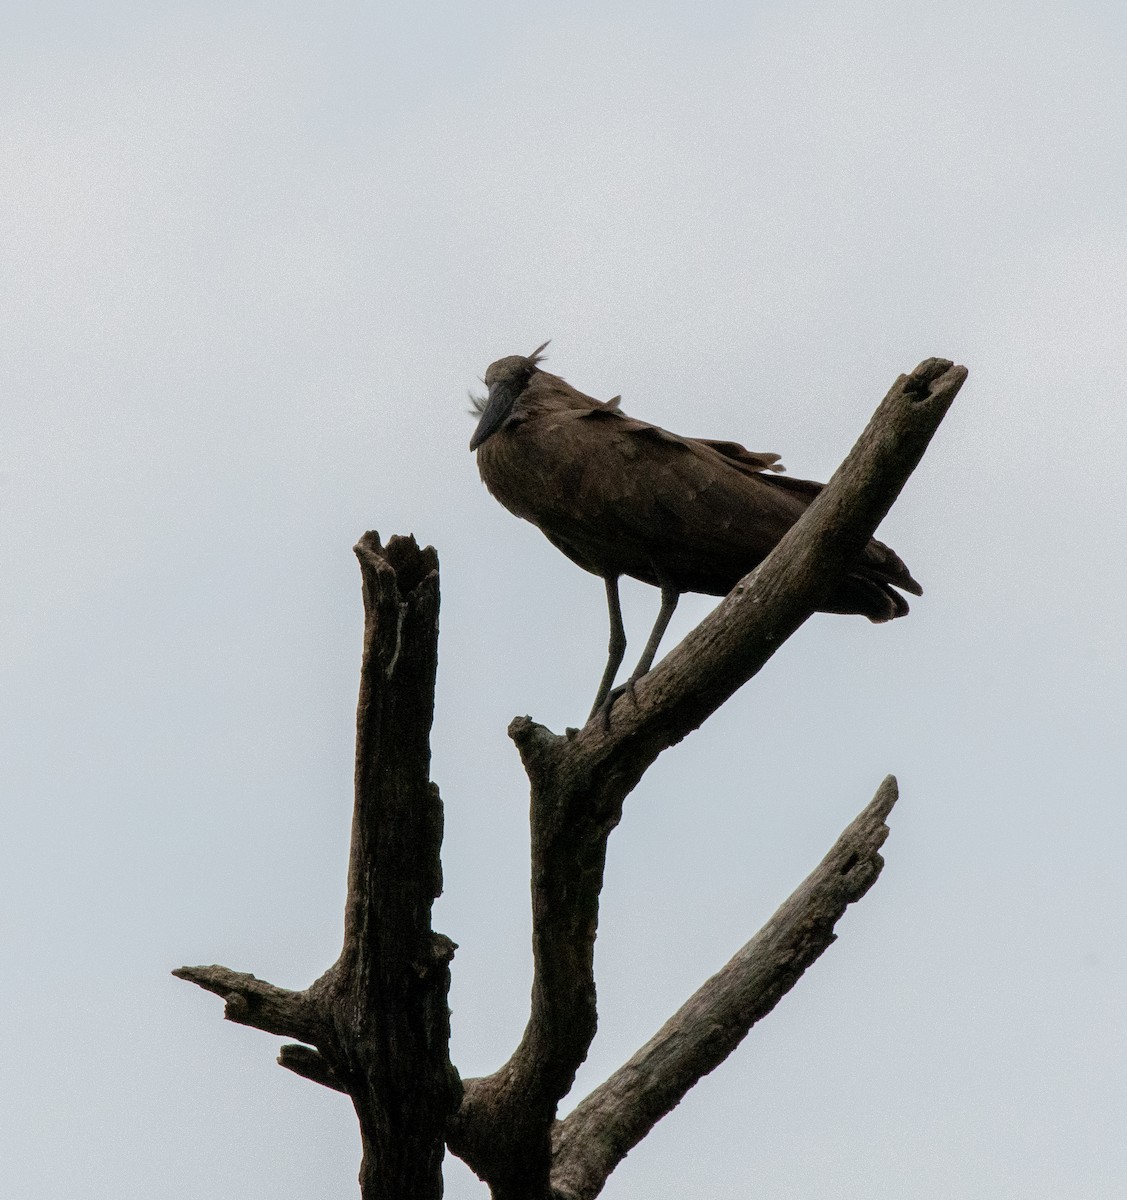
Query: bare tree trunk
[[376, 1025], [379, 1017]]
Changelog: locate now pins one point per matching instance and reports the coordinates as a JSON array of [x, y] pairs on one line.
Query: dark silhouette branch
[[580, 781], [310, 1064], [614, 1118], [377, 1023], [254, 1002], [388, 991]]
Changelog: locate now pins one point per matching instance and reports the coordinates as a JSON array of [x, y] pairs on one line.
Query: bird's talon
[[629, 688]]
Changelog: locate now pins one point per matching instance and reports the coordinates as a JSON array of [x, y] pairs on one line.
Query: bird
[[620, 496]]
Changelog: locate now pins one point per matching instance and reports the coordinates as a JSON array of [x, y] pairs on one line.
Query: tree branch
[[310, 1064], [601, 1131], [254, 1002]]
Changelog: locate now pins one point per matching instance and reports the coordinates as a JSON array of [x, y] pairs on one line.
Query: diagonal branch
[[579, 782], [614, 1118]]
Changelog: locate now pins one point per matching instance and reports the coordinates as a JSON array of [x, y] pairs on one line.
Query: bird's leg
[[617, 646], [669, 598]]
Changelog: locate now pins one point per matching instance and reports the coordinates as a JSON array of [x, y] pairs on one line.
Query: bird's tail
[[870, 588]]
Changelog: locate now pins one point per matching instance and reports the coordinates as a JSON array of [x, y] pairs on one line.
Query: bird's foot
[[623, 689]]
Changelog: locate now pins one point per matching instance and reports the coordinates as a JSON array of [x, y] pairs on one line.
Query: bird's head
[[505, 379]]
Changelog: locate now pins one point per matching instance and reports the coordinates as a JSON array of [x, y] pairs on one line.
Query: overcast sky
[[253, 257]]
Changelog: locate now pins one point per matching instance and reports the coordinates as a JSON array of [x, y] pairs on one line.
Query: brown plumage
[[621, 497]]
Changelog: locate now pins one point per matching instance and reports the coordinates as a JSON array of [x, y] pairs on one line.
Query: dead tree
[[376, 1024]]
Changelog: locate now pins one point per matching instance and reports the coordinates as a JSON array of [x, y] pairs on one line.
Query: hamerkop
[[621, 497]]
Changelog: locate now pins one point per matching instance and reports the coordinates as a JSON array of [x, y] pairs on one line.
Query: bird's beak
[[502, 396]]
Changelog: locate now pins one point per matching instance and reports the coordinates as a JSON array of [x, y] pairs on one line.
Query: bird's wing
[[742, 458], [713, 508], [622, 496], [748, 462], [646, 497]]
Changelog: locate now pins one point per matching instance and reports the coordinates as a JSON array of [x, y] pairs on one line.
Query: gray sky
[[254, 255]]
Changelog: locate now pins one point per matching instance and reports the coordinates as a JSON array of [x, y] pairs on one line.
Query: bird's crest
[[478, 403]]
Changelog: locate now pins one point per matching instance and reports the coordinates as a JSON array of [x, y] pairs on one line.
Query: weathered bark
[[376, 1025], [614, 1118], [379, 1018]]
